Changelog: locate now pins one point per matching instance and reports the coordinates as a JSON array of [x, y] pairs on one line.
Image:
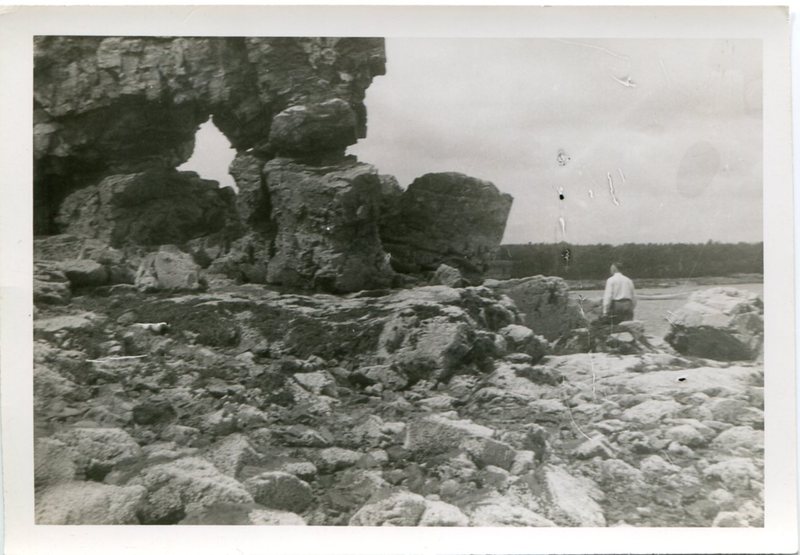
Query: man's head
[[616, 267]]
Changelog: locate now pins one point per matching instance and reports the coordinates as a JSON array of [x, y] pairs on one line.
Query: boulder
[[318, 383], [399, 509], [280, 490], [489, 452], [574, 499], [83, 273], [721, 323], [52, 392], [686, 434], [427, 342], [449, 276], [155, 410], [69, 323], [169, 269], [304, 470], [651, 411], [597, 446], [231, 514], [735, 473], [437, 434], [97, 451], [521, 339], [655, 468], [179, 487], [382, 374], [439, 513], [729, 519], [327, 221], [352, 488], [148, 208], [52, 463], [739, 440], [315, 127], [448, 218], [333, 459], [231, 453], [544, 303], [89, 503], [505, 513], [269, 517]]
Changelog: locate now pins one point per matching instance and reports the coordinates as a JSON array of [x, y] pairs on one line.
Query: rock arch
[[119, 105], [115, 116]]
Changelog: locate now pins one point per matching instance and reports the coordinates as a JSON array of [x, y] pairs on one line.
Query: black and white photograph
[[392, 280]]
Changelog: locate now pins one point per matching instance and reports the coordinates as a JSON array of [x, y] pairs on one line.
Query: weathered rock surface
[[252, 197], [280, 490], [231, 453], [449, 276], [722, 323], [99, 450], [148, 208], [506, 514], [50, 286], [544, 302], [230, 514], [327, 219], [436, 434], [401, 509], [117, 105], [89, 503], [327, 126], [310, 389], [574, 498], [520, 339], [53, 462], [446, 218], [169, 269], [65, 262], [408, 509], [114, 117], [175, 488], [84, 272]]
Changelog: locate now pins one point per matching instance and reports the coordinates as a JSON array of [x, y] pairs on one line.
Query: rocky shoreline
[[321, 347], [413, 407]]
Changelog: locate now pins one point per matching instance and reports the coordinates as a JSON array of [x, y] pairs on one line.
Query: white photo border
[[19, 25]]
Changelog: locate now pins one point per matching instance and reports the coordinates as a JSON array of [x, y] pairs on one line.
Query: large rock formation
[[327, 220], [119, 105], [721, 323], [446, 218], [114, 117], [544, 301], [149, 208]]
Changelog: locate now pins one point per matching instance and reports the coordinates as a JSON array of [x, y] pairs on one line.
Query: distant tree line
[[651, 260]]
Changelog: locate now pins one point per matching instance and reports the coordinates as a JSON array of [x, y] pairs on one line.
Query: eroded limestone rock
[[447, 218], [89, 503], [148, 208], [119, 105], [721, 323], [327, 219], [544, 303]]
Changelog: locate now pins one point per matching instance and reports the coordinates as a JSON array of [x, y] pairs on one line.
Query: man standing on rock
[[619, 299]]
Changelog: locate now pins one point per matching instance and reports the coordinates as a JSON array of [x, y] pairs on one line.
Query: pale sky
[[676, 124]]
